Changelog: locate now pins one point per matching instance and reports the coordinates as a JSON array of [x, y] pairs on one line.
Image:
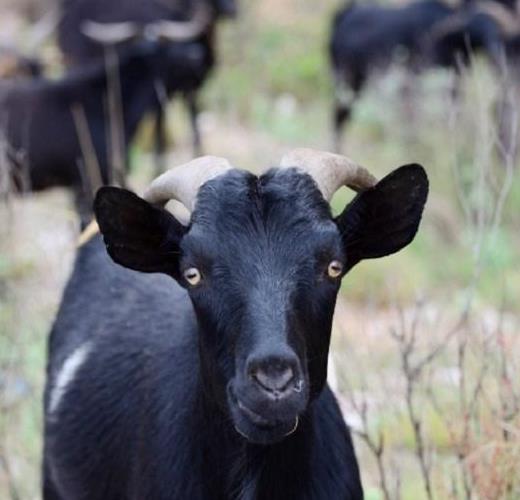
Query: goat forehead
[[266, 201], [280, 211]]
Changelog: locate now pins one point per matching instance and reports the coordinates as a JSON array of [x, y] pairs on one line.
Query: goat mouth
[[254, 417], [256, 428]]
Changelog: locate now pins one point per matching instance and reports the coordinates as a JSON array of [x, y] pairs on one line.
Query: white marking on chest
[[332, 374], [66, 375]]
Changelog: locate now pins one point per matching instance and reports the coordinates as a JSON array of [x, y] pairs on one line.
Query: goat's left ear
[[385, 218]]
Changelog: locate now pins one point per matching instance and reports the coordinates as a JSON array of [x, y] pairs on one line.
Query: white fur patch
[[66, 375], [332, 375]]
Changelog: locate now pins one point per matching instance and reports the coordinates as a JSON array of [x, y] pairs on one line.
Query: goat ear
[[385, 218], [137, 234]]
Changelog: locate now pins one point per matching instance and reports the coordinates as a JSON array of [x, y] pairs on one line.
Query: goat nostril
[[274, 381], [298, 386]]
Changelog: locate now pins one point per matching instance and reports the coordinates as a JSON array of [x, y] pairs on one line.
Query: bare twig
[[115, 115], [90, 160]]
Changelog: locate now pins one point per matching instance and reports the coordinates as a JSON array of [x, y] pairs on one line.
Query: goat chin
[[266, 435]]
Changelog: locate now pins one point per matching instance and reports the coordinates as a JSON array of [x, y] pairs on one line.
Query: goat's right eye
[[192, 276]]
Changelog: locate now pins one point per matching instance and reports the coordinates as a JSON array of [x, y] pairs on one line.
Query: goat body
[[367, 37], [144, 426]]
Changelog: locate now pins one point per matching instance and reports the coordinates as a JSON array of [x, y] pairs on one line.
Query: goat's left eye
[[192, 276], [335, 269]]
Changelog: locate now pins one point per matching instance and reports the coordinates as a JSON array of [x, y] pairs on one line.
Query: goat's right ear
[[137, 234]]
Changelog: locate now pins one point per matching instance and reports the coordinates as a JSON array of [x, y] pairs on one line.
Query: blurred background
[[426, 343]]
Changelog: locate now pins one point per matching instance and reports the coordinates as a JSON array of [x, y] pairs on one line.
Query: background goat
[[215, 387], [368, 38], [53, 128], [89, 26]]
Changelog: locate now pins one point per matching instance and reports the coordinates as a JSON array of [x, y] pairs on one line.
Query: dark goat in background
[[491, 29], [212, 385], [368, 38], [53, 129], [89, 26]]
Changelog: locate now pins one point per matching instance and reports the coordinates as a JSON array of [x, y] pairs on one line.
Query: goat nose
[[274, 377], [274, 381]]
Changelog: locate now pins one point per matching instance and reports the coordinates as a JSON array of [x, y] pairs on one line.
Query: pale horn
[[180, 31], [329, 171], [110, 33], [182, 183]]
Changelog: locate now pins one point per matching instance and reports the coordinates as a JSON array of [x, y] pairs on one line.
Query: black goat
[[88, 26], [368, 38], [42, 121], [213, 386]]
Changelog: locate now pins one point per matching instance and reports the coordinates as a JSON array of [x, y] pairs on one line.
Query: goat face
[[262, 248], [262, 260]]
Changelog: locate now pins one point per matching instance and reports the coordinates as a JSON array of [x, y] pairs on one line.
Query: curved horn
[[182, 183], [329, 171], [180, 31], [110, 33], [506, 18]]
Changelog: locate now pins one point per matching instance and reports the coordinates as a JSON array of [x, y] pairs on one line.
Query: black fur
[[157, 409]]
